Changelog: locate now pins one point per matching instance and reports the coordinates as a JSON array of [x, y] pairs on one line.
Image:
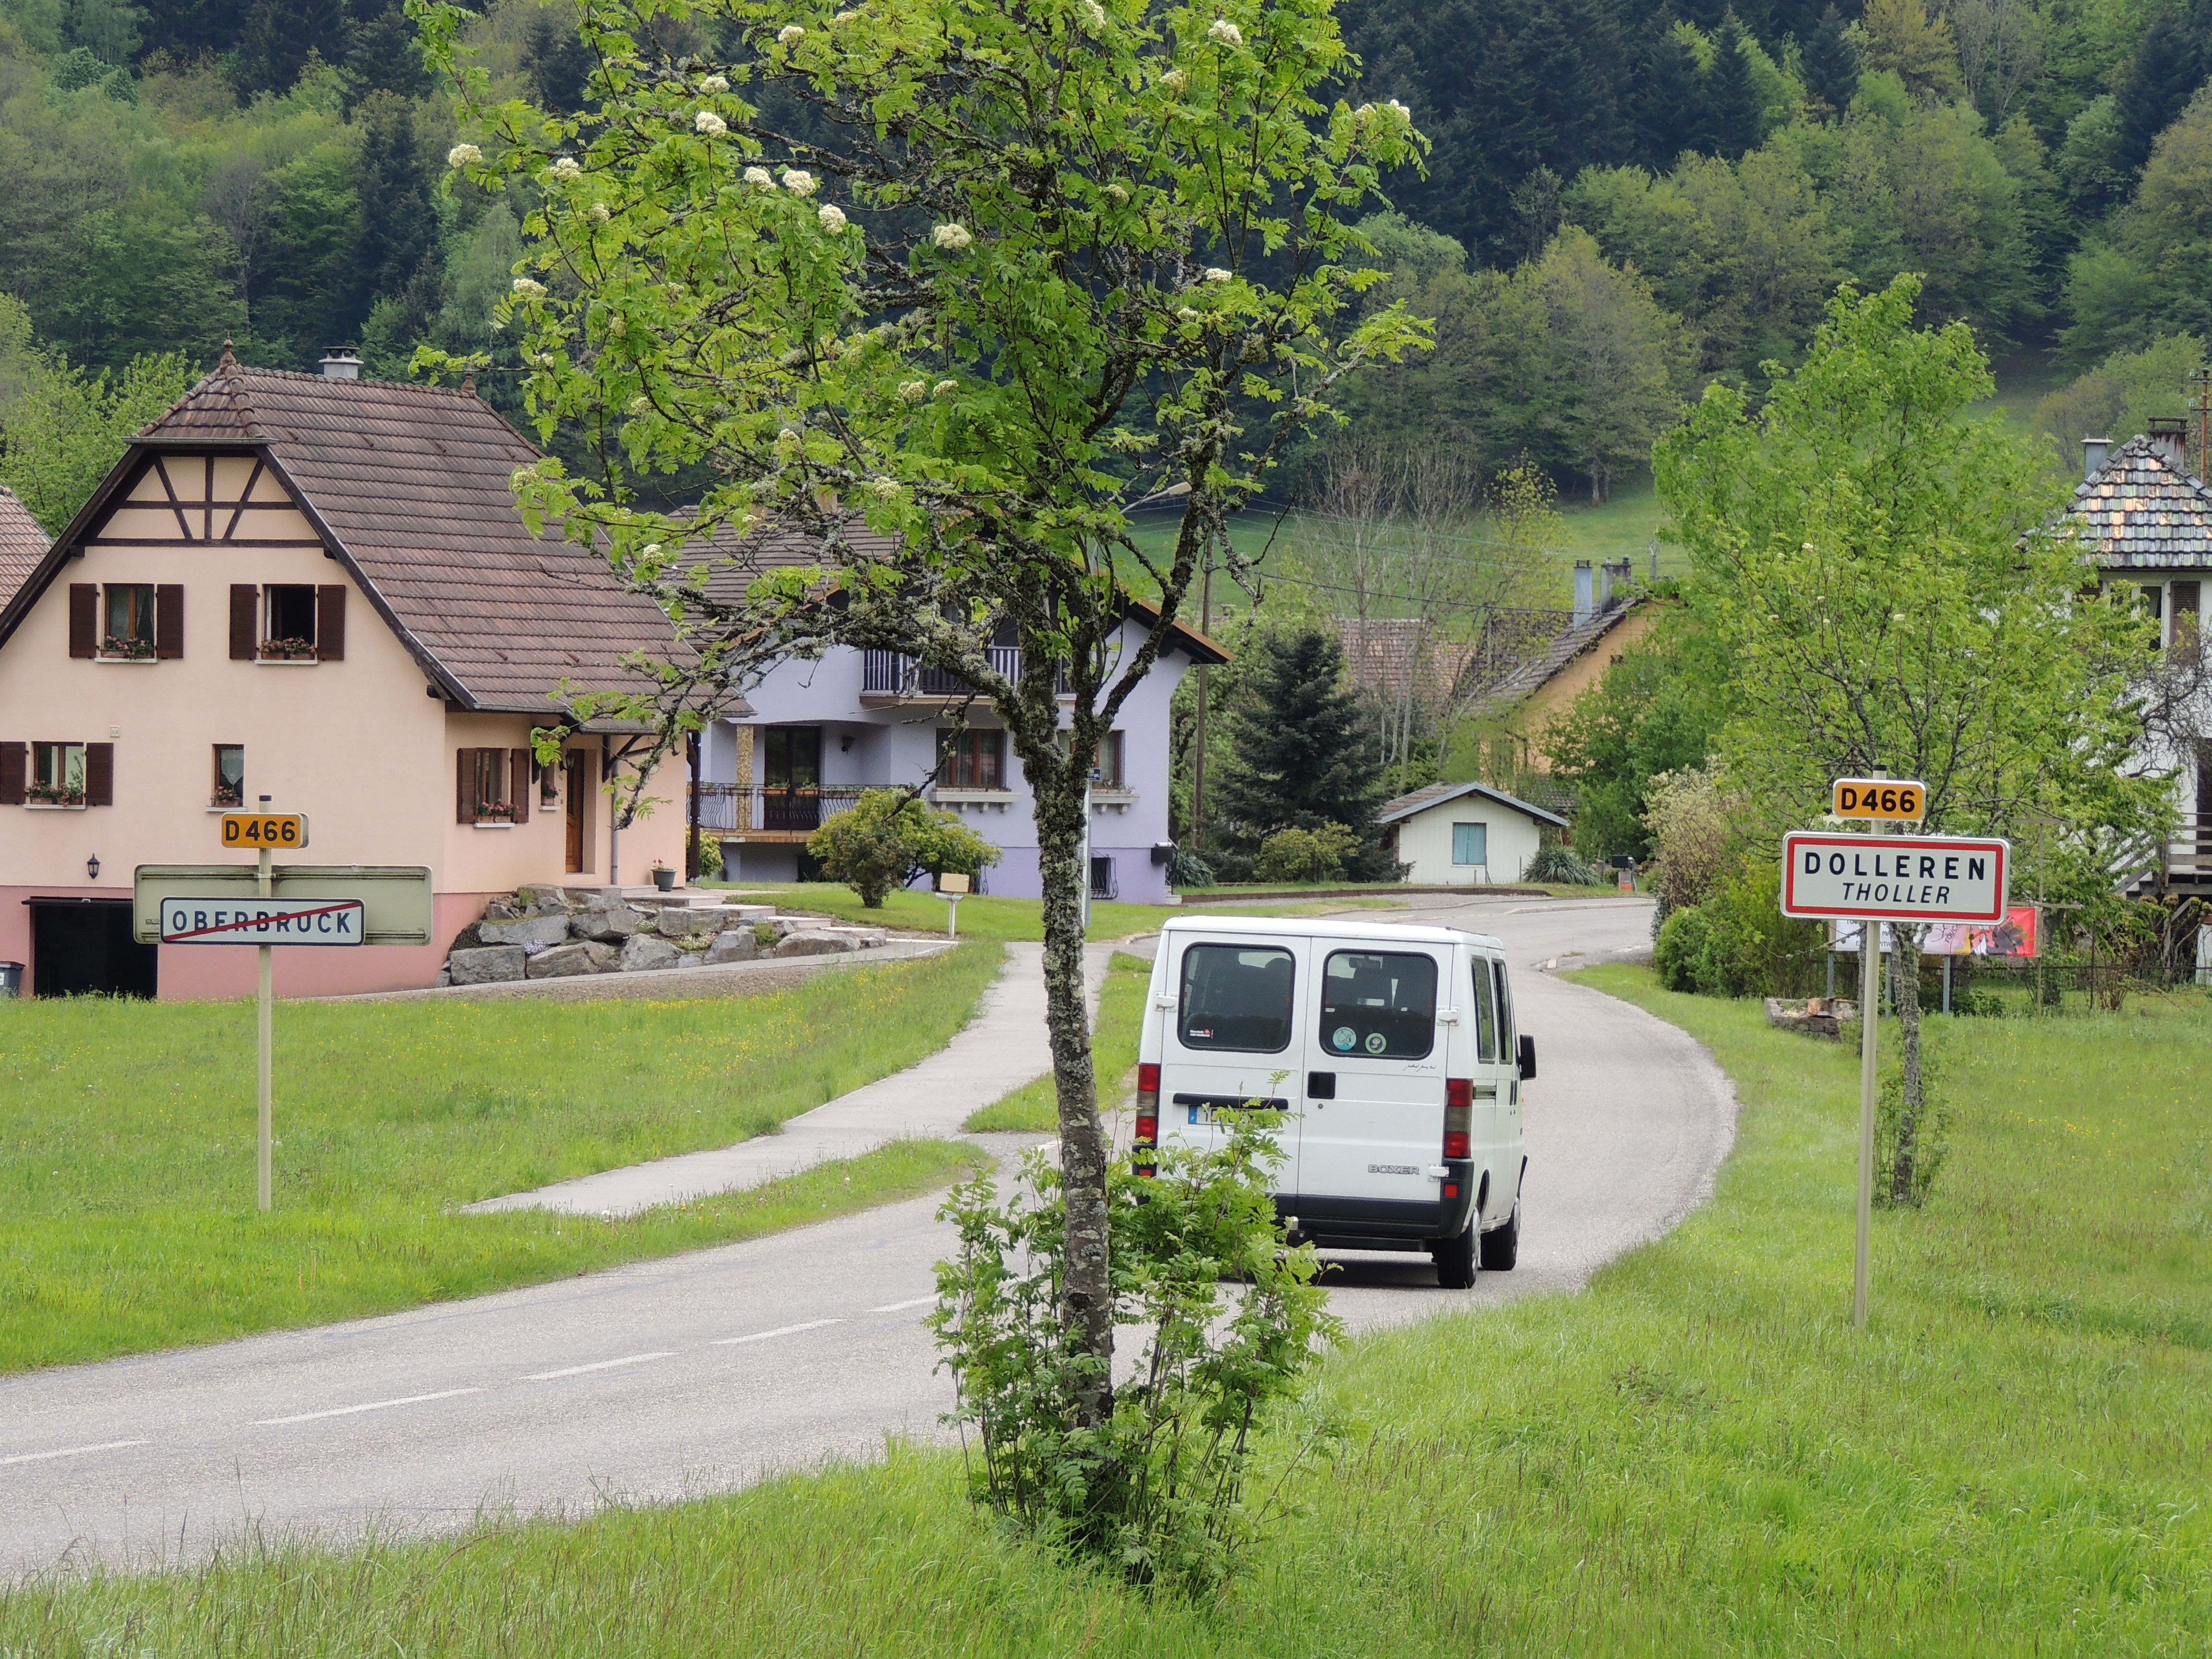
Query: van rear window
[[1381, 1003], [1237, 997]]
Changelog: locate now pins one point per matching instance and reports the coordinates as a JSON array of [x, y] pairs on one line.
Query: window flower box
[[287, 650], [116, 649], [47, 794], [495, 811]]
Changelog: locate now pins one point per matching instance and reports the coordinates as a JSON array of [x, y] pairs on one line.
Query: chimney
[[340, 364], [2093, 452], [1605, 585], [2169, 436], [1582, 591]]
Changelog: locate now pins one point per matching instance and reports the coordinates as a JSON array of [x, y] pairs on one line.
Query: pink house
[[315, 589]]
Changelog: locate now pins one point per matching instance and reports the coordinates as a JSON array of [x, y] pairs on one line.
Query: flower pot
[[665, 880]]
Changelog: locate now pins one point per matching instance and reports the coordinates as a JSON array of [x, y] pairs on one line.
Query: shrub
[[890, 837], [1187, 869], [1680, 954], [1156, 1492], [1930, 1139], [1317, 855], [1559, 864]]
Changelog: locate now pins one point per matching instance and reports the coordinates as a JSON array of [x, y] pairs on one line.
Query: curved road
[[699, 1372]]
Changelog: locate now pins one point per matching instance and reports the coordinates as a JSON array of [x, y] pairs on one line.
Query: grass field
[[1113, 1051], [988, 918], [126, 1144], [1695, 1457]]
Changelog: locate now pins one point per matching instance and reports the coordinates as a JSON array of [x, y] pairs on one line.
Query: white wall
[[1424, 842]]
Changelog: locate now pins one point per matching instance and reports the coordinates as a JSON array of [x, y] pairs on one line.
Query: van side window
[[1485, 1014], [1379, 1003], [1237, 997], [1506, 1050]]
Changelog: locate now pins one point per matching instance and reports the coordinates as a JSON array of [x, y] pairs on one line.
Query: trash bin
[[11, 979]]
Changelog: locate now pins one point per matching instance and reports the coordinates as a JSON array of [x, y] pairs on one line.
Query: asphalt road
[[699, 1372]]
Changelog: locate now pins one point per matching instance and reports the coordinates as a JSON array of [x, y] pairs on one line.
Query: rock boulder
[[645, 952], [804, 944], [610, 923], [737, 944], [531, 930], [563, 961], [488, 964]]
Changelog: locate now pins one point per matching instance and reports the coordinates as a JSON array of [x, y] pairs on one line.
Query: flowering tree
[[947, 288]]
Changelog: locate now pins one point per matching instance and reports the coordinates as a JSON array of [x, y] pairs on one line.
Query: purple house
[[818, 732]]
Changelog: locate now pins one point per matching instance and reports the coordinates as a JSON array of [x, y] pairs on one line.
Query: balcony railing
[[736, 810], [892, 674], [2186, 859]]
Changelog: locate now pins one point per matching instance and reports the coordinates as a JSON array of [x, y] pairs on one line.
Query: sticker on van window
[[1377, 1042], [1344, 1039]]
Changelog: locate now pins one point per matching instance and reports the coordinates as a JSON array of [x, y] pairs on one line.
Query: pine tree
[[397, 253], [1668, 99], [1731, 102], [556, 61], [2167, 67], [1301, 756], [1832, 68]]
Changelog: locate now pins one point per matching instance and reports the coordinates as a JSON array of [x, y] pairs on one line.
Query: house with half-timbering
[[314, 589]]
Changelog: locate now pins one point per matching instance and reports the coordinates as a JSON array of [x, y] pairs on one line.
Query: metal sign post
[[1898, 878], [292, 905], [953, 888]]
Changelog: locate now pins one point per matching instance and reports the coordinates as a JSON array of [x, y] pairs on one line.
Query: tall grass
[[1035, 1106], [1695, 1456], [127, 1142]]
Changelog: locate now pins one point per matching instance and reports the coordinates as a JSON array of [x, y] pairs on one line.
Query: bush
[[1307, 854], [1738, 942], [1156, 1493], [1187, 869], [1680, 955], [889, 838], [1931, 1139], [1559, 864]]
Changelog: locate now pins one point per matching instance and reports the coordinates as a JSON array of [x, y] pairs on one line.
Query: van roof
[[1322, 928]]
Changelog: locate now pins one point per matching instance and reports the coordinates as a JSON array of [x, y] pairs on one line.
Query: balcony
[[757, 813], [2185, 861], [892, 676]]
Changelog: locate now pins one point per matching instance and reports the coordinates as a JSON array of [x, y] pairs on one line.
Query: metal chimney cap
[[341, 364]]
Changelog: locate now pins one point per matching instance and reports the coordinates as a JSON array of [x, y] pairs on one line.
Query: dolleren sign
[[1894, 877]]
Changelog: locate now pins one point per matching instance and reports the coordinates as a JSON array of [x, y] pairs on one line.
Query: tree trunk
[[1086, 1291], [1904, 968]]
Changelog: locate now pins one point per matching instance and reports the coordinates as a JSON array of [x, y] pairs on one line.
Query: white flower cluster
[[641, 404], [798, 183], [1117, 192], [832, 217], [887, 489], [567, 167], [951, 237], [789, 34], [715, 83], [599, 213], [1225, 32], [528, 287], [1094, 16], [708, 122], [463, 155], [758, 179], [1175, 81], [1214, 274], [914, 392], [650, 551], [944, 388]]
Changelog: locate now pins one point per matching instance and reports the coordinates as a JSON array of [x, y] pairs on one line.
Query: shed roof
[[22, 545], [1437, 795], [410, 488], [2143, 509]]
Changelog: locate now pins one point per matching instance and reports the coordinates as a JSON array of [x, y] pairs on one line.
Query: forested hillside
[[1620, 203]]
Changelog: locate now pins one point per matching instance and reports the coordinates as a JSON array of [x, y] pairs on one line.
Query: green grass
[[986, 917], [1697, 1456], [1113, 1049], [127, 1137]]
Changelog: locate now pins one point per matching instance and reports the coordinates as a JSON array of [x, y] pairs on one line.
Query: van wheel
[[1501, 1247], [1455, 1258]]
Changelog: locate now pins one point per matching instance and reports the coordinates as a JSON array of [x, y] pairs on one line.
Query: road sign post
[[1886, 878], [264, 905]]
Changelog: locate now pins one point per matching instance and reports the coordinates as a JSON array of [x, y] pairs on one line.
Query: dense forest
[[1621, 202]]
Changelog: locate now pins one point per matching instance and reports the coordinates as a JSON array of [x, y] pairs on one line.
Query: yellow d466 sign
[[256, 831], [1896, 800]]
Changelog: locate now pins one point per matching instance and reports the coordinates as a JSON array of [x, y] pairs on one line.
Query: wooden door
[[575, 764]]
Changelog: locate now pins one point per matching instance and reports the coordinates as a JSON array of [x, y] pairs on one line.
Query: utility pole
[[1197, 732], [264, 1093], [2200, 408]]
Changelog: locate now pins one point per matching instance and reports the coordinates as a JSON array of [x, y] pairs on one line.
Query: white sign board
[[263, 921], [395, 898], [1894, 877]]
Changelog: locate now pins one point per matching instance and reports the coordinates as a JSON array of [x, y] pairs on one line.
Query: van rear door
[[1233, 1037], [1374, 1122]]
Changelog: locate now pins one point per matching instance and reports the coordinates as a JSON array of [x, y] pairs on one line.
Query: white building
[[1464, 834]]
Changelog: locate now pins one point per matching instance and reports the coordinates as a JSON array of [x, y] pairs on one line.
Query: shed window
[[1470, 843]]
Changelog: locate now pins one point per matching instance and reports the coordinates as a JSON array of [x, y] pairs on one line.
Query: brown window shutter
[[99, 775], [329, 622], [14, 764], [169, 620], [84, 619], [244, 622], [465, 778], [518, 786]]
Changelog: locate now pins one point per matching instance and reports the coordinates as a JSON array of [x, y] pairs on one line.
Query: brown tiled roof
[[1568, 644], [413, 483], [22, 544], [1389, 657], [2143, 510]]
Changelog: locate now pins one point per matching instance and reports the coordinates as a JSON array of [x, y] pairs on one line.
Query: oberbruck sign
[[261, 921], [1895, 877]]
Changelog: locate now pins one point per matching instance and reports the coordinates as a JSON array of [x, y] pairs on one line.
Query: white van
[[1392, 1049]]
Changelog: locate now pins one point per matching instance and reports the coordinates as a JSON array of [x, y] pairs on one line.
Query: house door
[[83, 947], [575, 764], [791, 778]]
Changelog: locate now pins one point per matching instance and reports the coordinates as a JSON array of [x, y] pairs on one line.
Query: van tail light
[[1148, 1092], [1147, 1137], [1148, 1128], [1458, 1114]]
